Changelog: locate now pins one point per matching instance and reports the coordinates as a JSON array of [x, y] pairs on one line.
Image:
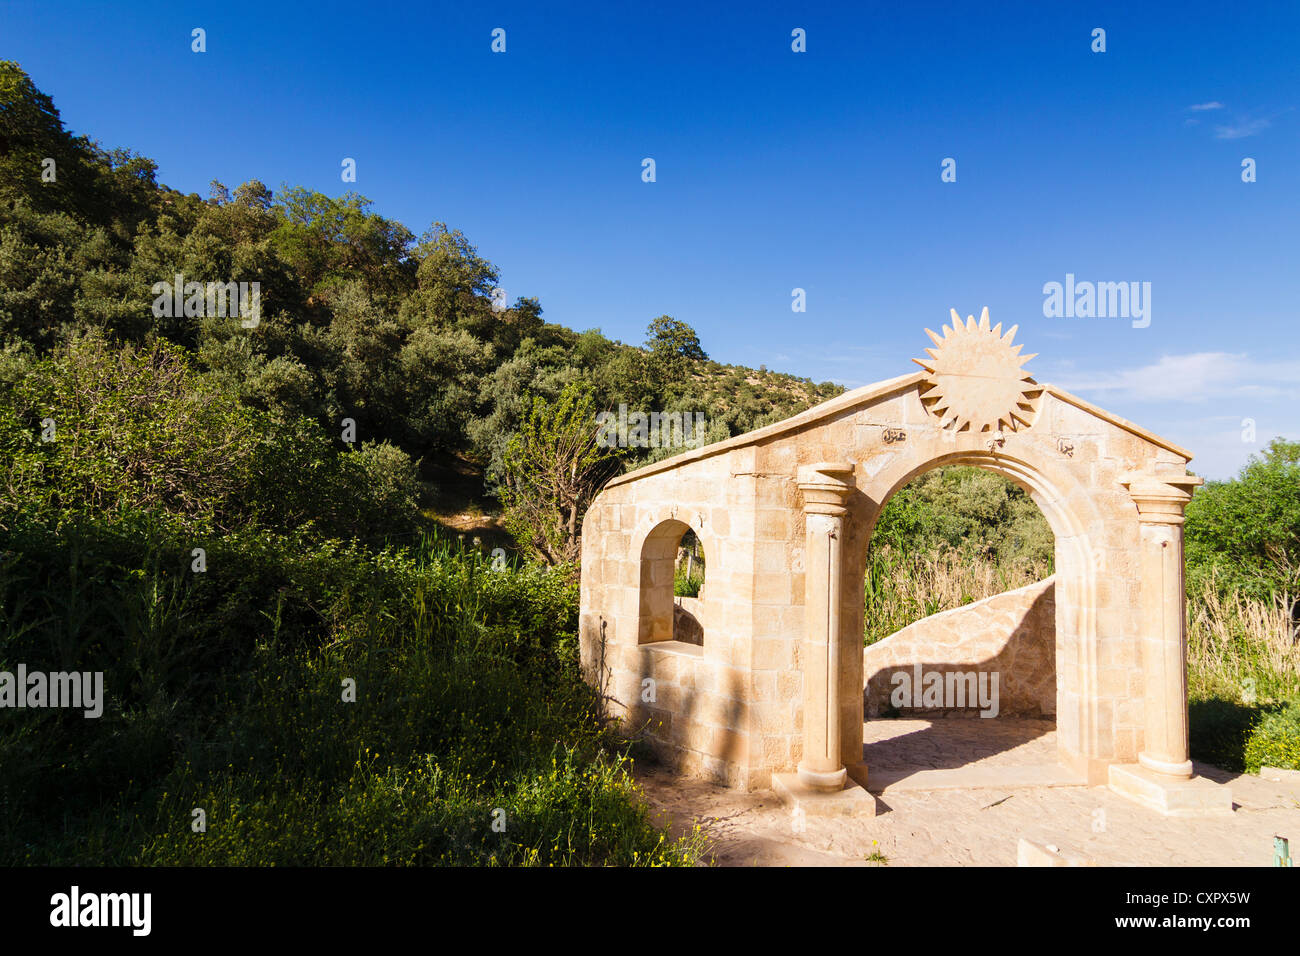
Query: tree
[[454, 282], [254, 195], [553, 469], [1247, 531], [332, 242], [674, 349]]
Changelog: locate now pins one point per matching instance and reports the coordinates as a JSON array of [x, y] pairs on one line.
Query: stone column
[[1160, 502], [825, 488]]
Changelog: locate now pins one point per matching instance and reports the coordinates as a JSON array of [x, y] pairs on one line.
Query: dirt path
[[978, 825]]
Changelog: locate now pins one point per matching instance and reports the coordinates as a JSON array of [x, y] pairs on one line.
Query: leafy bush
[[1275, 741], [95, 430], [1246, 532], [1244, 737], [135, 430]]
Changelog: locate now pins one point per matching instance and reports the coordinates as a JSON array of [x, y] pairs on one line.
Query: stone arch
[[790, 511], [1050, 488], [656, 547]]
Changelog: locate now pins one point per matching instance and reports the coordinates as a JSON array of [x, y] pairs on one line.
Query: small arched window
[[672, 585]]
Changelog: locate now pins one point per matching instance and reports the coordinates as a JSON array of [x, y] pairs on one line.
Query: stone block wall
[[1012, 634], [731, 708]]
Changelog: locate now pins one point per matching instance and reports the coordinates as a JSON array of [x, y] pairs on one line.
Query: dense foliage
[[554, 465], [221, 515], [1246, 532], [360, 318], [949, 537]]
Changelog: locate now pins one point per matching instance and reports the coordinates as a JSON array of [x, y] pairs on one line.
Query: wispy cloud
[[1239, 127], [1242, 128], [1198, 376], [837, 353]]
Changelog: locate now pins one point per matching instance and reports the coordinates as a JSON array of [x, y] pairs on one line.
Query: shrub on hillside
[[97, 430]]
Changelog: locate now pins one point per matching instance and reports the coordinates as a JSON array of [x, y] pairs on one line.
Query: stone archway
[[787, 513], [828, 491], [1075, 624], [991, 650]]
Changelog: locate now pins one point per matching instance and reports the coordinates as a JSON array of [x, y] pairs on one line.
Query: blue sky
[[777, 170]]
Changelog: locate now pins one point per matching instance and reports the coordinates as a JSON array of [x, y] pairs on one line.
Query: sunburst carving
[[977, 381]]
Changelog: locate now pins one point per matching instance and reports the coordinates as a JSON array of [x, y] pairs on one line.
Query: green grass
[[226, 695]]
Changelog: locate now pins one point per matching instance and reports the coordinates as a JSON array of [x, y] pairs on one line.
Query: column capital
[[1160, 499], [826, 487]]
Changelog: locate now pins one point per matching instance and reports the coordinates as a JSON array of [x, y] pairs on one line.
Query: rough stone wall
[[1012, 634]]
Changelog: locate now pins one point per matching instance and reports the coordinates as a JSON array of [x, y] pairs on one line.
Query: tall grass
[[1243, 659], [902, 587], [1243, 678], [472, 738], [1240, 648]]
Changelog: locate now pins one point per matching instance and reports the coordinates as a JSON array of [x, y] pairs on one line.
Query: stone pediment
[[972, 381]]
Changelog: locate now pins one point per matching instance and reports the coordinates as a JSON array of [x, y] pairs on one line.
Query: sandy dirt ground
[[936, 820]]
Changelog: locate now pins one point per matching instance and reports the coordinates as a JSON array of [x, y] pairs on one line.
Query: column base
[[850, 800], [1183, 769], [828, 780], [1172, 796]]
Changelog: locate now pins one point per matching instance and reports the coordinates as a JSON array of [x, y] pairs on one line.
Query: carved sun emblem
[[976, 381]]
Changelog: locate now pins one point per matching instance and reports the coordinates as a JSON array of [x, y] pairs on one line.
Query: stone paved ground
[[906, 743], [977, 826]]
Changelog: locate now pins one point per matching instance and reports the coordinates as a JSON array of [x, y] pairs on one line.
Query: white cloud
[[1199, 107], [1195, 377], [1220, 444]]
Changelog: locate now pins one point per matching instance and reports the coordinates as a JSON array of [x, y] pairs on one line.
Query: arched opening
[[672, 586], [973, 585], [688, 591]]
